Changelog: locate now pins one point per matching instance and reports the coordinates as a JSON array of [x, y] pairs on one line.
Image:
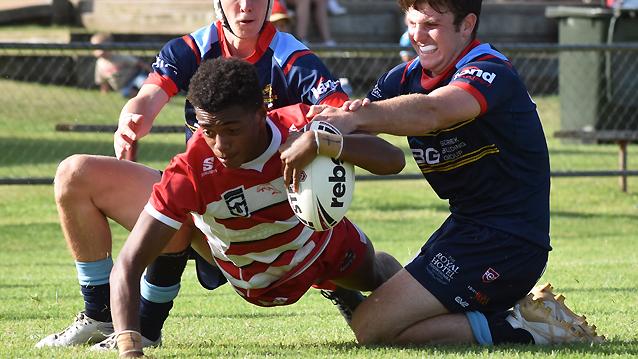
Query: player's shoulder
[[285, 47], [289, 118]]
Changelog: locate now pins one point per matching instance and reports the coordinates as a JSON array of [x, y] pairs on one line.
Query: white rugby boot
[[549, 320], [83, 330], [110, 343]]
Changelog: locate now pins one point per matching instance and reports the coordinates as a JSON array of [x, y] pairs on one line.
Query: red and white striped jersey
[[255, 238]]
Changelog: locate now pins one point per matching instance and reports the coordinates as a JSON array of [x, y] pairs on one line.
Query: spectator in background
[[115, 72], [334, 8], [404, 41], [302, 14], [280, 17]]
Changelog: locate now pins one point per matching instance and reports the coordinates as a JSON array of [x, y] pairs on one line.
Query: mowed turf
[[594, 235], [594, 263]]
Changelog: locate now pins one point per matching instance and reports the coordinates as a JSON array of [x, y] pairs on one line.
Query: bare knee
[[70, 176], [366, 331]]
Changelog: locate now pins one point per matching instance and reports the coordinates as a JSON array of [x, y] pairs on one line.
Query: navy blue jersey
[[288, 72], [493, 169]]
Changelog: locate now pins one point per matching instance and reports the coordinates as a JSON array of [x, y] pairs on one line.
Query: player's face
[[245, 17], [437, 41], [235, 135]]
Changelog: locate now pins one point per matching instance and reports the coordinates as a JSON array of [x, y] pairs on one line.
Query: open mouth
[[427, 49]]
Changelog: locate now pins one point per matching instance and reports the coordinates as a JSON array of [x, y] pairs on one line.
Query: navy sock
[[96, 301], [503, 332], [152, 317]]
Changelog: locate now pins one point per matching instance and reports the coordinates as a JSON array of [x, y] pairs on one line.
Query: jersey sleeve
[[310, 79], [389, 84], [490, 83], [175, 65], [175, 196]]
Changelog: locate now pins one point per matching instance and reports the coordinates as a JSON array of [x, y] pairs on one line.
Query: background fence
[[583, 89]]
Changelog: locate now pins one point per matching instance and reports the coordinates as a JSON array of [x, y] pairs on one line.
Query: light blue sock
[[480, 328], [94, 273], [158, 294]]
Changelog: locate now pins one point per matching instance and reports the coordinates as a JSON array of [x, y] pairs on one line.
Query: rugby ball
[[325, 190]]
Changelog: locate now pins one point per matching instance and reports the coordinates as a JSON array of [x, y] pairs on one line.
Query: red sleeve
[[175, 196], [164, 82]]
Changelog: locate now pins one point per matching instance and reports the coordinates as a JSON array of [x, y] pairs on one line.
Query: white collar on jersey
[[258, 163]]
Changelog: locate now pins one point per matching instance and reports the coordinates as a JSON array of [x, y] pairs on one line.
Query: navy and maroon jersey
[[493, 169], [255, 238], [289, 73]]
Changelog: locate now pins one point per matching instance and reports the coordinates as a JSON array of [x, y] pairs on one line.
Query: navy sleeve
[[309, 79], [388, 85], [178, 62]]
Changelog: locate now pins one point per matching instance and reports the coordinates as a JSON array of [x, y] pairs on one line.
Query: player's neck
[[241, 48]]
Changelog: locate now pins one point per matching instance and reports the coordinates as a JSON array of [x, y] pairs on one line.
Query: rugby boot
[[110, 343], [83, 330], [346, 301], [549, 321]]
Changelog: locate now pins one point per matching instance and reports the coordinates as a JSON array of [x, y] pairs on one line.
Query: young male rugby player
[[231, 181]]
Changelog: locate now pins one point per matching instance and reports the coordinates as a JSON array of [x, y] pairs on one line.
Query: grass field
[[594, 262]]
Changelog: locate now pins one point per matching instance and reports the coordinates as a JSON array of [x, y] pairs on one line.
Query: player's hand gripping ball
[[326, 186]]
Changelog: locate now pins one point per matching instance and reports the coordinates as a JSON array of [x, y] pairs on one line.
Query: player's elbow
[[393, 162]]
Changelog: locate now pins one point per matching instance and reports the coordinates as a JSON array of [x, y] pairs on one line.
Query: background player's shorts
[[345, 253], [469, 267]]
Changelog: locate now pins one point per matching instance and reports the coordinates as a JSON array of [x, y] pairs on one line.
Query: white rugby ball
[[325, 190]]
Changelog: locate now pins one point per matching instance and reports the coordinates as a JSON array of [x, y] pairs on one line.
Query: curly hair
[[459, 8], [225, 82]]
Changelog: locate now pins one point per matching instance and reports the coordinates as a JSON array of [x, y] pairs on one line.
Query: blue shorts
[[469, 267]]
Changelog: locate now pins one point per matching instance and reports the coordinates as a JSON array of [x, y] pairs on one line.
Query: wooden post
[[622, 164]]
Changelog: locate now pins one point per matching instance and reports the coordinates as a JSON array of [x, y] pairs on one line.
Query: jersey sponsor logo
[[430, 156], [208, 167], [268, 187], [479, 297], [473, 72], [490, 275], [376, 92], [269, 97], [323, 88], [161, 64], [347, 261], [443, 267], [461, 302], [236, 202]]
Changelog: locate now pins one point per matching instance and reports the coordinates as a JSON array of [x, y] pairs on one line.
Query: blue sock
[[95, 288], [480, 328]]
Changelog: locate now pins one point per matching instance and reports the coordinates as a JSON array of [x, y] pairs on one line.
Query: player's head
[[100, 38], [440, 29], [243, 18], [229, 108]]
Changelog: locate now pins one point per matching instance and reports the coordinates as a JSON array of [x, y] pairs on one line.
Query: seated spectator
[[334, 8], [302, 14], [280, 17], [116, 72], [404, 41]]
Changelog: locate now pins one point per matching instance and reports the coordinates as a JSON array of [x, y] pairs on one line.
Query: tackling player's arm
[[406, 115], [144, 244], [366, 151], [137, 116]]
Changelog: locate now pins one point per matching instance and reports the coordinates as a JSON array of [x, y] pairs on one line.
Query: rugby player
[[476, 136], [231, 181], [91, 189]]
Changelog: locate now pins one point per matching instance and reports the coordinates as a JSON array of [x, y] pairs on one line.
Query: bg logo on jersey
[[473, 72], [324, 87], [236, 202]]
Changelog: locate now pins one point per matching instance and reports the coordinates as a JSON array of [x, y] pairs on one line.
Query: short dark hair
[[225, 82], [459, 8]]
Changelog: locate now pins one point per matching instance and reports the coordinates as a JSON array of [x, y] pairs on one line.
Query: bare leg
[[410, 314], [302, 14], [88, 189], [321, 17]]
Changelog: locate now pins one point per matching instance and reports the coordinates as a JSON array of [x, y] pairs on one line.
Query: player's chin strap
[[221, 16]]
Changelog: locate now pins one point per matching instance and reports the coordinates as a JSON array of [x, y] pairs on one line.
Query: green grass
[[594, 262]]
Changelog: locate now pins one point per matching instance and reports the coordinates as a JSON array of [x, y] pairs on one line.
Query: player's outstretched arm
[[144, 244], [137, 116], [366, 151]]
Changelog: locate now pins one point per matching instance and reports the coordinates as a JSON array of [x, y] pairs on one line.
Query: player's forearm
[[149, 102], [125, 296], [373, 154]]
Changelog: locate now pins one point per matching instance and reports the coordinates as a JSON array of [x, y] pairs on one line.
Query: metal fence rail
[[584, 88]]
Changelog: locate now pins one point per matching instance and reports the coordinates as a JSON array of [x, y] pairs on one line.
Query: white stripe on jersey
[[162, 218]]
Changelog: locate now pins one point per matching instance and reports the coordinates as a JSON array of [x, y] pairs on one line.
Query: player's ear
[[468, 24]]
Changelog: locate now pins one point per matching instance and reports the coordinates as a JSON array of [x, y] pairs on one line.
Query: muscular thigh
[[471, 267], [120, 189]]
